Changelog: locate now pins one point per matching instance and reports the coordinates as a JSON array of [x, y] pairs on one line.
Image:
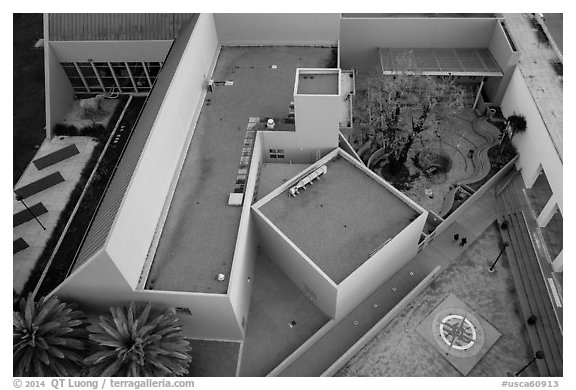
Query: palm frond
[[135, 341], [46, 337]]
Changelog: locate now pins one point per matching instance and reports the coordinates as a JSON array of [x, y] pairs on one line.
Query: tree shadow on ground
[[400, 178]]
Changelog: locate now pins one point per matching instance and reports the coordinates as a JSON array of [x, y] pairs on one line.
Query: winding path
[[480, 160]]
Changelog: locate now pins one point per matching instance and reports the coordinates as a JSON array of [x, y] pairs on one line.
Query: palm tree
[[133, 342], [49, 338], [516, 123]]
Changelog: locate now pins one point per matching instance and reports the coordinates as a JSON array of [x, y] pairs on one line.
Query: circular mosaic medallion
[[458, 332]]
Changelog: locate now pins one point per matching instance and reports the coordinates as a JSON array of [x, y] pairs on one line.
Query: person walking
[[456, 237], [463, 241]]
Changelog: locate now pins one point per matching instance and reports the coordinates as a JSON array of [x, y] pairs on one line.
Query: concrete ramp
[[56, 156]]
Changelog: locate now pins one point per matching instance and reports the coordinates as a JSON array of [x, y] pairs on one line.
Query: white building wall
[[295, 264], [240, 288], [294, 151], [133, 230], [59, 92], [277, 29], [96, 285], [534, 146], [99, 284], [212, 315], [506, 58], [317, 120], [379, 268]]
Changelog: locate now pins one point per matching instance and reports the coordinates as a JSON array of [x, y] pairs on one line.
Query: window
[[74, 77], [105, 74], [276, 153], [89, 76], [125, 74], [139, 76], [153, 69]]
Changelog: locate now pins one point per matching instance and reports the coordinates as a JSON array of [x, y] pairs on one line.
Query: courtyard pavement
[[53, 198], [399, 350], [443, 251]]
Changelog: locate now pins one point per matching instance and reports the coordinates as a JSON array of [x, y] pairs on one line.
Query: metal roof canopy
[[116, 26], [440, 62]]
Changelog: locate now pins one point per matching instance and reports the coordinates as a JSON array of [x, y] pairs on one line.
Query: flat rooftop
[[318, 84], [275, 302], [273, 175], [199, 235], [340, 219], [213, 358]]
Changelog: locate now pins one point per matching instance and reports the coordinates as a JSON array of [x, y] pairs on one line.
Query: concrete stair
[[530, 279]]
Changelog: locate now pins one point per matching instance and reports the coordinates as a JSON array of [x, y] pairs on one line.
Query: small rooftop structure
[[318, 82], [342, 217]]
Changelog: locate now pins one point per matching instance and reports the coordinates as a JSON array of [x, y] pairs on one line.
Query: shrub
[[500, 155], [95, 130], [66, 130]]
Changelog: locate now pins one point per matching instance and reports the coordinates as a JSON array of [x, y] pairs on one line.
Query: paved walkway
[[442, 251], [402, 350], [53, 198]]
